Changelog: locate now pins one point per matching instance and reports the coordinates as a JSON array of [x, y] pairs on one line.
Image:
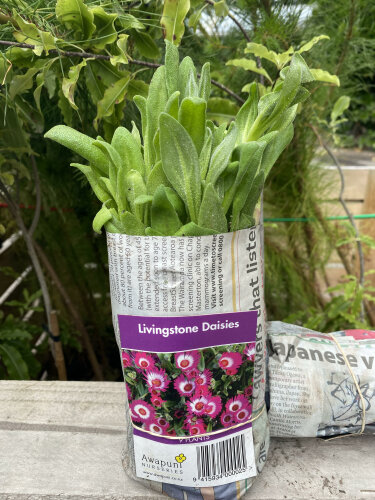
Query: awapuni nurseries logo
[[191, 392]]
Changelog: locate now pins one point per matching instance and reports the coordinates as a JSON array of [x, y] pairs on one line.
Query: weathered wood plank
[[63, 440]]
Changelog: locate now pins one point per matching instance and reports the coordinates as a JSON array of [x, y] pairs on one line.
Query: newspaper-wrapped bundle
[[320, 384], [188, 314]]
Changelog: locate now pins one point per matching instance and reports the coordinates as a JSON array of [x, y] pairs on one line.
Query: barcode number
[[222, 459]]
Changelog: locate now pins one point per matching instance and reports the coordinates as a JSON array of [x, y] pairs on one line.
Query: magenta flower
[[213, 406], [203, 378], [187, 360], [157, 401], [249, 391], [230, 361], [183, 386], [231, 371], [192, 373], [154, 427], [250, 351], [190, 420], [141, 411], [202, 390], [128, 392], [126, 359], [226, 419], [171, 432], [162, 422], [236, 403], [144, 361], [243, 414], [157, 379], [197, 404], [198, 428]]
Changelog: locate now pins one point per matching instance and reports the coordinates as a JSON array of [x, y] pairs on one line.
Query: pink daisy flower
[[157, 379], [231, 371], [197, 428], [202, 390], [183, 386], [126, 359], [157, 401], [230, 360], [203, 378], [249, 352], [144, 361], [236, 403], [249, 391], [243, 414], [154, 427], [213, 406], [197, 404], [141, 411], [192, 373], [187, 360], [226, 419], [171, 432], [128, 392], [162, 422]]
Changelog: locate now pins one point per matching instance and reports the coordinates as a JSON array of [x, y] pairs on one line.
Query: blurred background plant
[[80, 63]]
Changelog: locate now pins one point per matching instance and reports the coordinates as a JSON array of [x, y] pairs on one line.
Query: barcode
[[221, 458]]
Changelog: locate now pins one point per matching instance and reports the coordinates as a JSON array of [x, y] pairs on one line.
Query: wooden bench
[[63, 440]]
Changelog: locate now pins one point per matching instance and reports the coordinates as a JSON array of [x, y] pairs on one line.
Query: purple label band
[[205, 438], [184, 333]]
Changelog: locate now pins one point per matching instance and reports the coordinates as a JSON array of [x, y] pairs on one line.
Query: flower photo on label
[[190, 393]]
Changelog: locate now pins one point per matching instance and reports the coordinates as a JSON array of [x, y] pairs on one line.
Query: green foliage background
[[94, 95]]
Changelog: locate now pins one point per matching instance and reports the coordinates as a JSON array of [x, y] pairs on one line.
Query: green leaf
[[172, 21], [221, 8], [211, 213], [137, 87], [14, 363], [278, 59], [275, 148], [192, 229], [135, 187], [187, 78], [65, 107], [132, 225], [30, 34], [341, 105], [22, 83], [164, 218], [129, 150], [321, 75], [253, 196], [69, 84], [221, 155], [103, 195], [101, 218], [77, 17], [121, 57], [205, 156], [115, 94], [105, 31], [249, 65], [80, 144], [195, 17], [308, 46], [247, 114], [128, 22], [156, 101], [171, 67], [204, 89], [192, 116], [146, 45], [172, 105], [156, 178], [180, 163], [221, 110]]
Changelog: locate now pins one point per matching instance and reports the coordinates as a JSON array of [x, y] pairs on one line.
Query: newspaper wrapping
[[189, 319], [312, 391]]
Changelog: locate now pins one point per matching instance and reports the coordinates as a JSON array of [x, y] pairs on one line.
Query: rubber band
[[363, 404], [207, 433]]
